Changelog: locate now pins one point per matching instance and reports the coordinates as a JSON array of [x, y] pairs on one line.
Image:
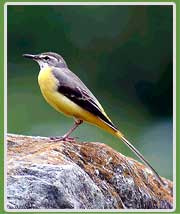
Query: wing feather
[[73, 88]]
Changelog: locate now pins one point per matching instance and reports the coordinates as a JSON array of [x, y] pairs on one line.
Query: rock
[[43, 174], [48, 186]]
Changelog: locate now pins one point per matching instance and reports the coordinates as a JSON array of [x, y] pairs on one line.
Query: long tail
[[121, 137], [109, 127]]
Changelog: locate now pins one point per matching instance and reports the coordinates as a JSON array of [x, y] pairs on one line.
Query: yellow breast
[[49, 85], [49, 88]]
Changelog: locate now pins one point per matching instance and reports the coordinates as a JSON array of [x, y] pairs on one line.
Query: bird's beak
[[31, 56]]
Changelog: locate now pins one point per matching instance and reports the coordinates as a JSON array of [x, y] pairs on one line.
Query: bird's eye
[[46, 58]]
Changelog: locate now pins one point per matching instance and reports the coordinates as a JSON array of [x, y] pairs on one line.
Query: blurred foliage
[[122, 53]]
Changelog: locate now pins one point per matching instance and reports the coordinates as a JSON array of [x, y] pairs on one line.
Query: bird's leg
[[66, 136], [76, 124]]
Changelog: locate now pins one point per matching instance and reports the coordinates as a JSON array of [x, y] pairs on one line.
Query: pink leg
[[66, 137]]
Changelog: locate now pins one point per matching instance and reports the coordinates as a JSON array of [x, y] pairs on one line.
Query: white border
[[90, 3], [174, 105]]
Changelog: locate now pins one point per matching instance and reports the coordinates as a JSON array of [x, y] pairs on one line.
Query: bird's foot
[[63, 138]]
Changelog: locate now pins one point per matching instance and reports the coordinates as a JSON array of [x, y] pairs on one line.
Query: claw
[[63, 138]]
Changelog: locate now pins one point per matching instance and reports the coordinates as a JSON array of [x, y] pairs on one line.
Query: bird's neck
[[42, 64]]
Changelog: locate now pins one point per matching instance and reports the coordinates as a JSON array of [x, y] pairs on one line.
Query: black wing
[[73, 88]]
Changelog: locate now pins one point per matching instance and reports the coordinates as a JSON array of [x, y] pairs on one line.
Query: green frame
[[2, 2]]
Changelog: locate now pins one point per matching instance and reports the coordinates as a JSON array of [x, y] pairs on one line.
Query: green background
[[122, 53]]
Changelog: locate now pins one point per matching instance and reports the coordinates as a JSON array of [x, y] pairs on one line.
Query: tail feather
[[125, 141], [113, 130]]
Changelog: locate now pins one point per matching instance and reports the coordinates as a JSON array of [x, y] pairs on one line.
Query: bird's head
[[48, 59]]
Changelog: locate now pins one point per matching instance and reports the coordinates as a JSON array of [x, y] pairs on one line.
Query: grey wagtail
[[65, 92]]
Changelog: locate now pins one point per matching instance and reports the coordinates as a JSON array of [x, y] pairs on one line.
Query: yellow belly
[[48, 85]]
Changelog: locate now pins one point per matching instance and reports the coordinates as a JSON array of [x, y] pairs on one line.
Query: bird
[[66, 93]]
